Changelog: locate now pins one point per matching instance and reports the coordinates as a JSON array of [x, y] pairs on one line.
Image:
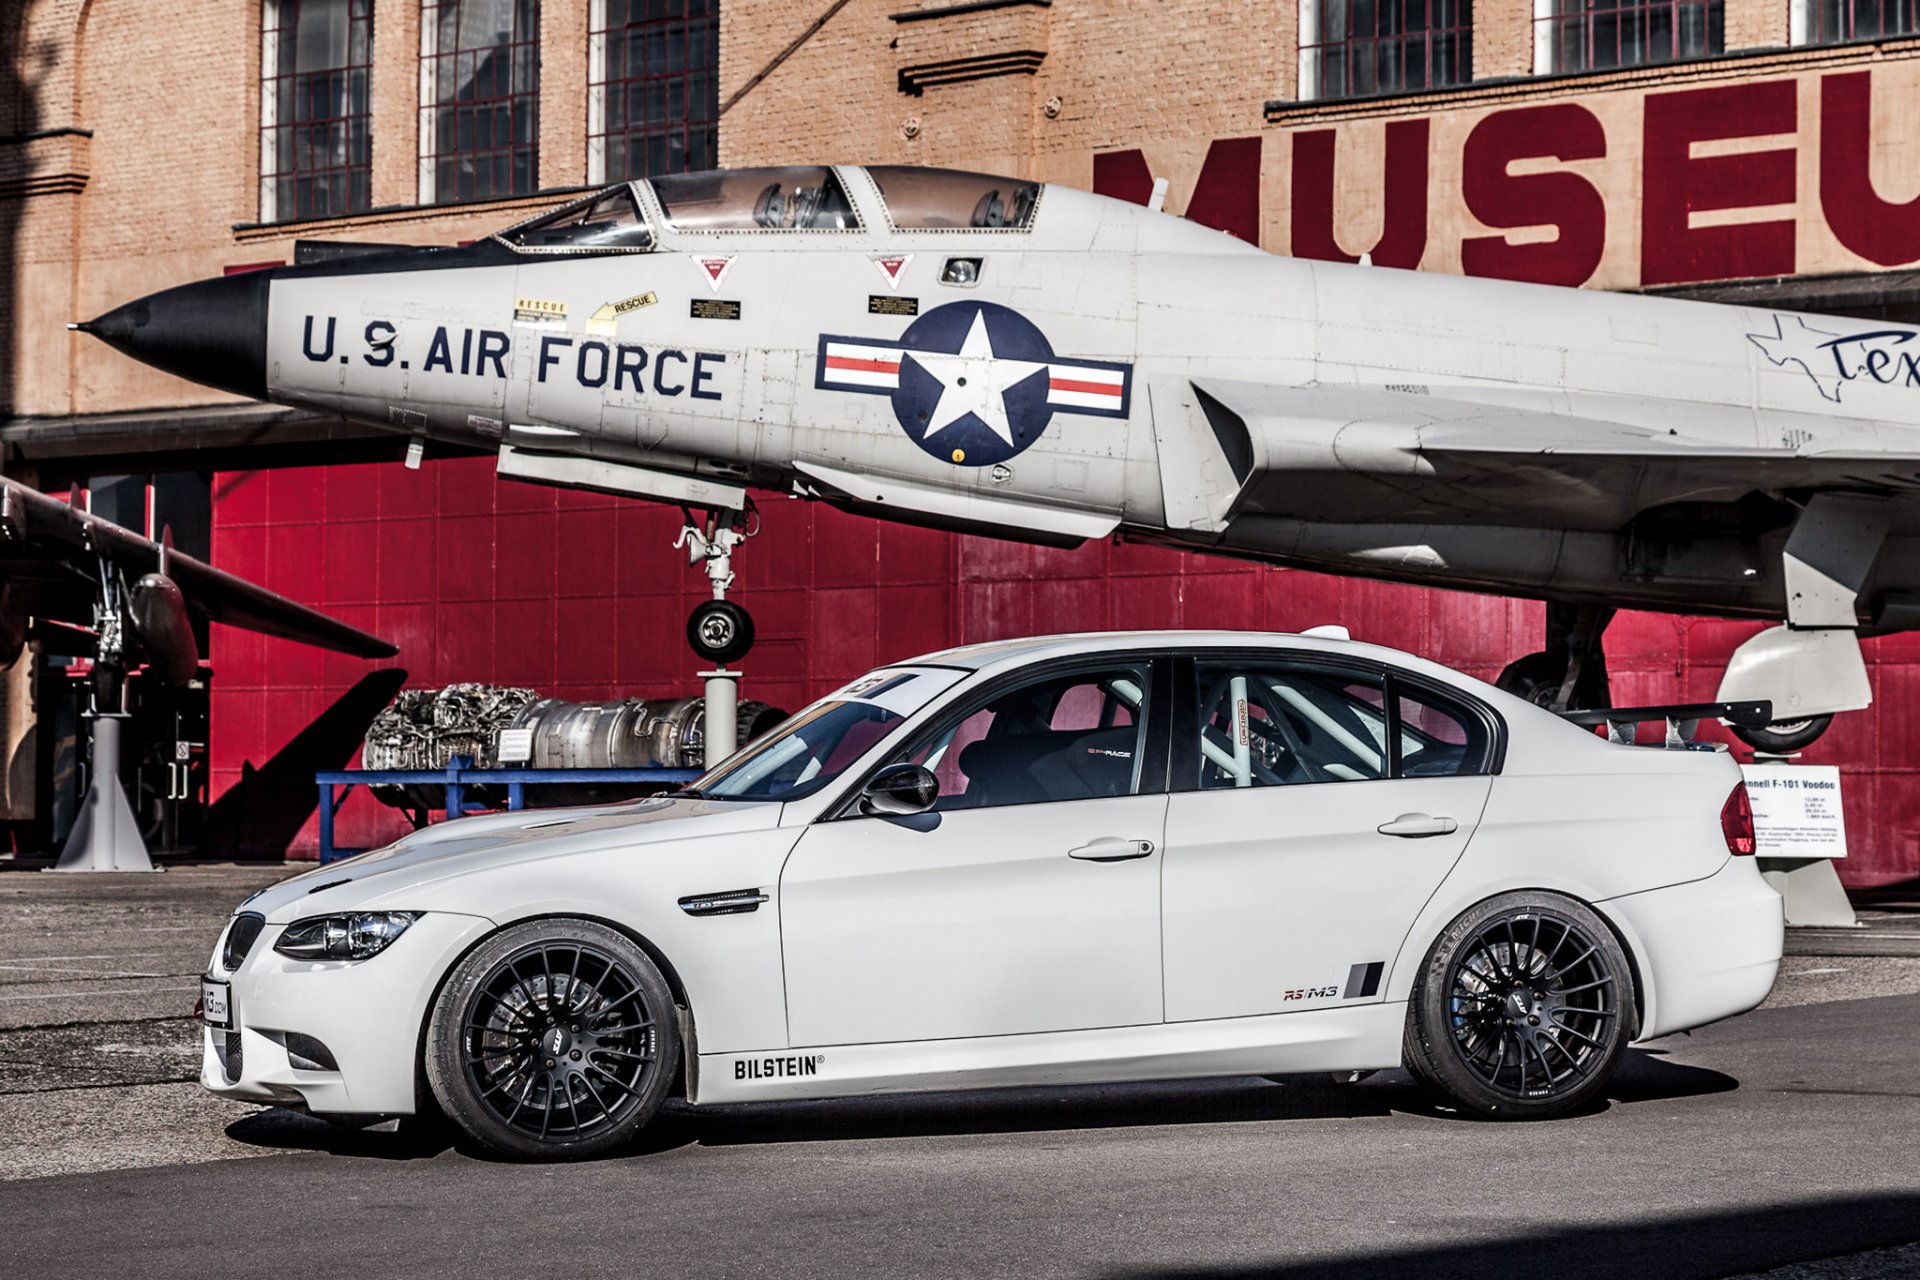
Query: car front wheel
[[1523, 1008], [553, 1039]]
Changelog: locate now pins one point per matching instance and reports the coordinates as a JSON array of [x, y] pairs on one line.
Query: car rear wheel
[[1523, 1008], [554, 1039]]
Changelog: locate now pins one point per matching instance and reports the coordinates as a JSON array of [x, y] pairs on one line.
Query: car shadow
[[1757, 1238], [1643, 1076], [284, 1129]]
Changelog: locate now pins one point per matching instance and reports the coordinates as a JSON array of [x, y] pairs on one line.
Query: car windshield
[[820, 743], [607, 222]]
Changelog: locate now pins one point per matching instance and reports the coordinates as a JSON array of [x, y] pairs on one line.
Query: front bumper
[[1707, 949], [367, 1014]]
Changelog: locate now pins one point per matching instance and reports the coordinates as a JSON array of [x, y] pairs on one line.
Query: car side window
[[1065, 737], [1437, 739], [1275, 726]]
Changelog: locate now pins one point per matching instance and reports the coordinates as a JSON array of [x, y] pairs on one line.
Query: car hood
[[476, 843]]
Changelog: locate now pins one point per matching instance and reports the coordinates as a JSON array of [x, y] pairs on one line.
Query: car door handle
[[1112, 849], [1414, 825]]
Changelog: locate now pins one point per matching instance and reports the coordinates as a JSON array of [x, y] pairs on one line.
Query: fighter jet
[[1030, 361], [90, 588]]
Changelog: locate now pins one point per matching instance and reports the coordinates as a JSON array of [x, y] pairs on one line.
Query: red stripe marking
[[1091, 388], [863, 366]]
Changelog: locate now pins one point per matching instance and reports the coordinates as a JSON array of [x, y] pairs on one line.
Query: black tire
[[553, 1040], [1522, 1009], [1784, 736], [1536, 678], [720, 631]]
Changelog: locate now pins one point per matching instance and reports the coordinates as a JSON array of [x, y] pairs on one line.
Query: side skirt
[[1353, 1038]]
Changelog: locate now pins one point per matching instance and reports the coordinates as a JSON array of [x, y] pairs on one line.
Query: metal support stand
[[720, 728], [1811, 888], [712, 545], [104, 836]]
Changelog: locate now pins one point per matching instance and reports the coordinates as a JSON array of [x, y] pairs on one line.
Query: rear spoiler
[[1682, 718]]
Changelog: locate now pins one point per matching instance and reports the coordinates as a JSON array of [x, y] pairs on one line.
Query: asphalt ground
[[1784, 1143]]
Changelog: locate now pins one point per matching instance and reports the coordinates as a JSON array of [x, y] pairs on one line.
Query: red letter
[[1565, 201], [1123, 175], [1226, 196], [1403, 236], [1875, 229], [1672, 251]]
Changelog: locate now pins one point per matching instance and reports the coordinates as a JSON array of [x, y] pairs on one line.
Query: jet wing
[[50, 552], [1352, 453]]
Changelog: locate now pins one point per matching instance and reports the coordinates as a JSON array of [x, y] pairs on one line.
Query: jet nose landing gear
[[718, 629]]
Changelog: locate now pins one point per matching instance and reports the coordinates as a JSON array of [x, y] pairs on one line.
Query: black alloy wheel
[[553, 1039], [1523, 1008], [720, 631]]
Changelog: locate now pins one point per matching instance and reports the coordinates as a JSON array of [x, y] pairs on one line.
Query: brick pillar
[[563, 93], [1502, 38], [1757, 24], [396, 103]]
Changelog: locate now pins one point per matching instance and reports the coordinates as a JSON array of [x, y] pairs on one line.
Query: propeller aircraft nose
[[210, 331]]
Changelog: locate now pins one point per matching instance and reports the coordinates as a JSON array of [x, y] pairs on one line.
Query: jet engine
[[426, 728]]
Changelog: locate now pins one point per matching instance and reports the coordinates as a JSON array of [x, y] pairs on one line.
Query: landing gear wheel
[[720, 631], [1536, 678], [553, 1040], [1522, 1009], [1784, 736]]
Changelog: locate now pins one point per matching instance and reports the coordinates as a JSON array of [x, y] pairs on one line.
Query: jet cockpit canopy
[[949, 199], [790, 198], [607, 222]]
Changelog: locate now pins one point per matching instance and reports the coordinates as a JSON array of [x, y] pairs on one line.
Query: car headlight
[[345, 937]]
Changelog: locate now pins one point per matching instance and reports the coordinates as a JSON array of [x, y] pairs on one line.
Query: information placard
[[1796, 810]]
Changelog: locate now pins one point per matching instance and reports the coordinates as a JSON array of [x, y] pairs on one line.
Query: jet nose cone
[[211, 331]]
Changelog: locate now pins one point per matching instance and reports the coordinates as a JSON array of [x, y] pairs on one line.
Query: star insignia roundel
[[973, 383]]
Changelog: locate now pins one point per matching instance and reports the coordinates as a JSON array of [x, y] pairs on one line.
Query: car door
[[1026, 900], [1315, 810]]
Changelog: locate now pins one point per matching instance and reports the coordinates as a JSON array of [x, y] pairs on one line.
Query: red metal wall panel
[[584, 597]]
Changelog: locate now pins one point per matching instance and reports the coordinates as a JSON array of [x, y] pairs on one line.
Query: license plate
[[215, 1008]]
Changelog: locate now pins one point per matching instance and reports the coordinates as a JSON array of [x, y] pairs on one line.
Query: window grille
[[479, 99], [1596, 35], [1844, 21], [315, 127], [1359, 48], [654, 88]]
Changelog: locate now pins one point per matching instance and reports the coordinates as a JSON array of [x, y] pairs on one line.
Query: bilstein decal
[[778, 1068]]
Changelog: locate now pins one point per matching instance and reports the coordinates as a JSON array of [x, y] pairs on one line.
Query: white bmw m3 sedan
[[1091, 858]]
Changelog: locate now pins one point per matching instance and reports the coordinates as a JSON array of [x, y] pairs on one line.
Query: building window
[[316, 60], [1357, 48], [479, 99], [1844, 21], [1596, 35], [653, 102]]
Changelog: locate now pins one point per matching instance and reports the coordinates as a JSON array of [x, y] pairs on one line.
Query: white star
[[973, 381]]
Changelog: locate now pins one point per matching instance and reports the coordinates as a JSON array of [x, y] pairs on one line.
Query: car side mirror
[[900, 790]]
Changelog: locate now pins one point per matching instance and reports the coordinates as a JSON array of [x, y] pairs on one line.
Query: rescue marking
[[891, 266], [715, 269]]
